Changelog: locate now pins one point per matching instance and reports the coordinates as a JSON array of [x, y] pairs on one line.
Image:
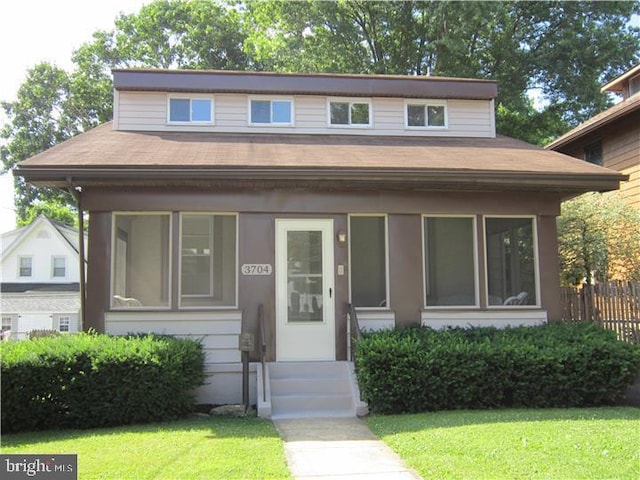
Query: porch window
[[190, 110], [425, 114], [58, 267], [450, 261], [141, 261], [25, 266], [266, 111], [207, 260], [511, 261], [368, 260], [350, 113]]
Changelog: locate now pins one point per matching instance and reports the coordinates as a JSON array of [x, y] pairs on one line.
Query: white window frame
[[270, 99], [386, 259], [426, 103], [10, 318], [30, 257], [114, 239], [66, 319], [476, 267], [53, 266], [191, 97], [350, 101], [536, 263], [236, 259]]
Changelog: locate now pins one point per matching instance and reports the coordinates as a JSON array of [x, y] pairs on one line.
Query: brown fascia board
[[626, 107], [616, 85], [208, 81], [324, 178]]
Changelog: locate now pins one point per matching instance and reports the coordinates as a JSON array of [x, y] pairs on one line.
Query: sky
[[32, 31]]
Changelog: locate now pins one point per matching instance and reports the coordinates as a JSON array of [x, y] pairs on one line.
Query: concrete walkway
[[338, 448]]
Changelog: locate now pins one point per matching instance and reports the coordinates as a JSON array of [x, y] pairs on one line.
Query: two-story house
[[612, 138], [212, 193], [39, 288]]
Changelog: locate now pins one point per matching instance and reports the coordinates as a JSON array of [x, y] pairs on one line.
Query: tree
[[565, 50], [55, 211], [599, 239]]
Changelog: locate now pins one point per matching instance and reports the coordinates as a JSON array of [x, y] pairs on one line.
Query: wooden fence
[[615, 305]]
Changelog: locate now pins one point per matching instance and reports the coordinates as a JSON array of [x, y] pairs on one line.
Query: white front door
[[305, 307]]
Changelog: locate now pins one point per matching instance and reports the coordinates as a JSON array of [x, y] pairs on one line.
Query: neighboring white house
[[40, 278]]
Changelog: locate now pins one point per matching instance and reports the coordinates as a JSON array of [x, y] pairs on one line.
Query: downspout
[[77, 197]]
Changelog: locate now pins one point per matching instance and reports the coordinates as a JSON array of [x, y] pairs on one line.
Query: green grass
[[553, 444], [205, 448]]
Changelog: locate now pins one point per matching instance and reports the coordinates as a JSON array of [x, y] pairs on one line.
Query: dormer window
[[270, 111], [346, 113], [190, 110], [425, 114]]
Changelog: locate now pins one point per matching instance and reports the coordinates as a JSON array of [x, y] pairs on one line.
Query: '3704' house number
[[256, 269]]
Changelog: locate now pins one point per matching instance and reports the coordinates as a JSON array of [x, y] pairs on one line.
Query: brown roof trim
[[616, 84], [319, 177], [303, 84], [610, 115]]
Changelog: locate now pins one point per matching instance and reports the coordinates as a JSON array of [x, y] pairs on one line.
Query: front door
[[305, 310]]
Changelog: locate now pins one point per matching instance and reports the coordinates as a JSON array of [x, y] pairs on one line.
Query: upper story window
[[190, 110], [25, 266], [593, 153], [270, 111], [425, 114], [58, 267], [348, 113]]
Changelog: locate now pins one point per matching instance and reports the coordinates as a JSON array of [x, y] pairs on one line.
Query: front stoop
[[309, 389]]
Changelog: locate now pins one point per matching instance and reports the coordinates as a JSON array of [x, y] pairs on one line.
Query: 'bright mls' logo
[[45, 467]]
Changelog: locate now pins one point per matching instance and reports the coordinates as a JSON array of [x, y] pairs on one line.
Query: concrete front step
[[311, 389]]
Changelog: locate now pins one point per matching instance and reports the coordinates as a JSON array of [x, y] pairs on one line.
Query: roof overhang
[[617, 84], [213, 81]]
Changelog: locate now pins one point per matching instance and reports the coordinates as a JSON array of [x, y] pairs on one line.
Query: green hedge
[[556, 365], [90, 380]]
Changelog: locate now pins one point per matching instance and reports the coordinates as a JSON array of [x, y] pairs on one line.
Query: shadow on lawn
[[458, 418], [219, 427]]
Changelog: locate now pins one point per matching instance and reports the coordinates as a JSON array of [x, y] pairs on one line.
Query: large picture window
[[450, 261], [368, 261], [141, 261], [207, 260], [511, 261]]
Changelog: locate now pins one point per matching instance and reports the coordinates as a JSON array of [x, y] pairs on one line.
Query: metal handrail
[[354, 333], [263, 349]]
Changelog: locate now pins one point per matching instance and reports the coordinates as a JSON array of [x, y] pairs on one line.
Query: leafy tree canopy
[[55, 211], [563, 50], [599, 239]]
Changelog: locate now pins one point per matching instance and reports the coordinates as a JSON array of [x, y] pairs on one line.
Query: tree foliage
[[599, 239], [563, 50], [54, 210]]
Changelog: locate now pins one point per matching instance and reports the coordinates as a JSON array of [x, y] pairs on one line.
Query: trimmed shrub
[[555, 365], [89, 380]]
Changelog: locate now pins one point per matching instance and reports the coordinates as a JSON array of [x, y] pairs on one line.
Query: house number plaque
[[256, 269]]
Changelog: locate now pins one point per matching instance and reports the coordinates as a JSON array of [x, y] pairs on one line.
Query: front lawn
[[592, 443], [205, 448]]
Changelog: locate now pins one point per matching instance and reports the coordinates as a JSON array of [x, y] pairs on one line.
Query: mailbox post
[[246, 344]]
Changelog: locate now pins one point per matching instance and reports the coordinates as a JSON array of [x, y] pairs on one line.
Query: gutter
[[77, 197]]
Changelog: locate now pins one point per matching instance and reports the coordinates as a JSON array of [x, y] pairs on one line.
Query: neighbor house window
[[350, 113], [511, 261], [190, 110], [141, 260], [593, 153], [6, 323], [425, 114], [271, 111], [64, 324], [207, 260], [368, 261], [58, 267], [450, 261], [25, 266]]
